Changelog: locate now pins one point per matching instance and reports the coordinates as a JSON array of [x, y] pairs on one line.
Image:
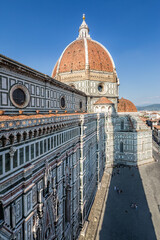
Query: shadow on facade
[[122, 220]]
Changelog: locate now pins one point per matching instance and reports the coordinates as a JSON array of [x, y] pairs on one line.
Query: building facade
[[56, 139]]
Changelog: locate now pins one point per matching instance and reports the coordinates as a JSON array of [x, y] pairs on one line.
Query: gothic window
[[49, 146], [51, 142], [121, 147], [37, 149], [64, 136], [32, 151], [45, 145], [21, 155], [7, 162], [54, 141], [59, 138], [122, 124], [15, 163], [27, 153], [41, 147]]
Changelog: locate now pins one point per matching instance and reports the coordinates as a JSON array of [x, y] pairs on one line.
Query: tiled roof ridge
[[103, 100]]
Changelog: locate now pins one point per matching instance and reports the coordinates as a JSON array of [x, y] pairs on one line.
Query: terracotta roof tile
[[21, 117], [103, 100], [73, 58], [99, 59], [125, 105]]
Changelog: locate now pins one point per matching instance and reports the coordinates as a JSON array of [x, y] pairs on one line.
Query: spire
[[83, 30]]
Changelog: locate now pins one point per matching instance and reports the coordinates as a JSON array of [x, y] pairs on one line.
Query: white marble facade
[[52, 164]]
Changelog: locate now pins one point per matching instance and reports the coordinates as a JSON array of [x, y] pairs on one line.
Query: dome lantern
[[83, 30]]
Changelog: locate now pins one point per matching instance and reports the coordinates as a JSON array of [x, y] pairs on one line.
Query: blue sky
[[35, 32]]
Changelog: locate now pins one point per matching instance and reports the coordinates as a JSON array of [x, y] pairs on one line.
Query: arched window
[[122, 124], [121, 147]]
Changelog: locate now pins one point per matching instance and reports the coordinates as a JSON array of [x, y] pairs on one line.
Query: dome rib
[[86, 53]]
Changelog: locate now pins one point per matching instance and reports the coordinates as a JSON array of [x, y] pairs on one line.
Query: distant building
[[58, 136]]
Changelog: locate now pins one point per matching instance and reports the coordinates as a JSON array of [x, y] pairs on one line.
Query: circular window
[[62, 102], [19, 96], [80, 104], [100, 87]]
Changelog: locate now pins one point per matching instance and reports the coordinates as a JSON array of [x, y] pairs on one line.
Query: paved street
[[140, 186]]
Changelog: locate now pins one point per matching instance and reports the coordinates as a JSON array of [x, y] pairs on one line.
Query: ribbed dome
[[81, 54], [84, 54], [125, 105]]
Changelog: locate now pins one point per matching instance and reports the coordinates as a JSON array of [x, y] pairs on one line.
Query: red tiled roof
[[103, 100], [73, 58], [125, 105], [98, 57], [21, 117]]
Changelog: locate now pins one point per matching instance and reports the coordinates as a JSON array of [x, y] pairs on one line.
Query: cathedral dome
[[125, 105], [84, 54]]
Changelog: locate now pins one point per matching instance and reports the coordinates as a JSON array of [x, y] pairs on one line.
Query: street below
[[133, 211]]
